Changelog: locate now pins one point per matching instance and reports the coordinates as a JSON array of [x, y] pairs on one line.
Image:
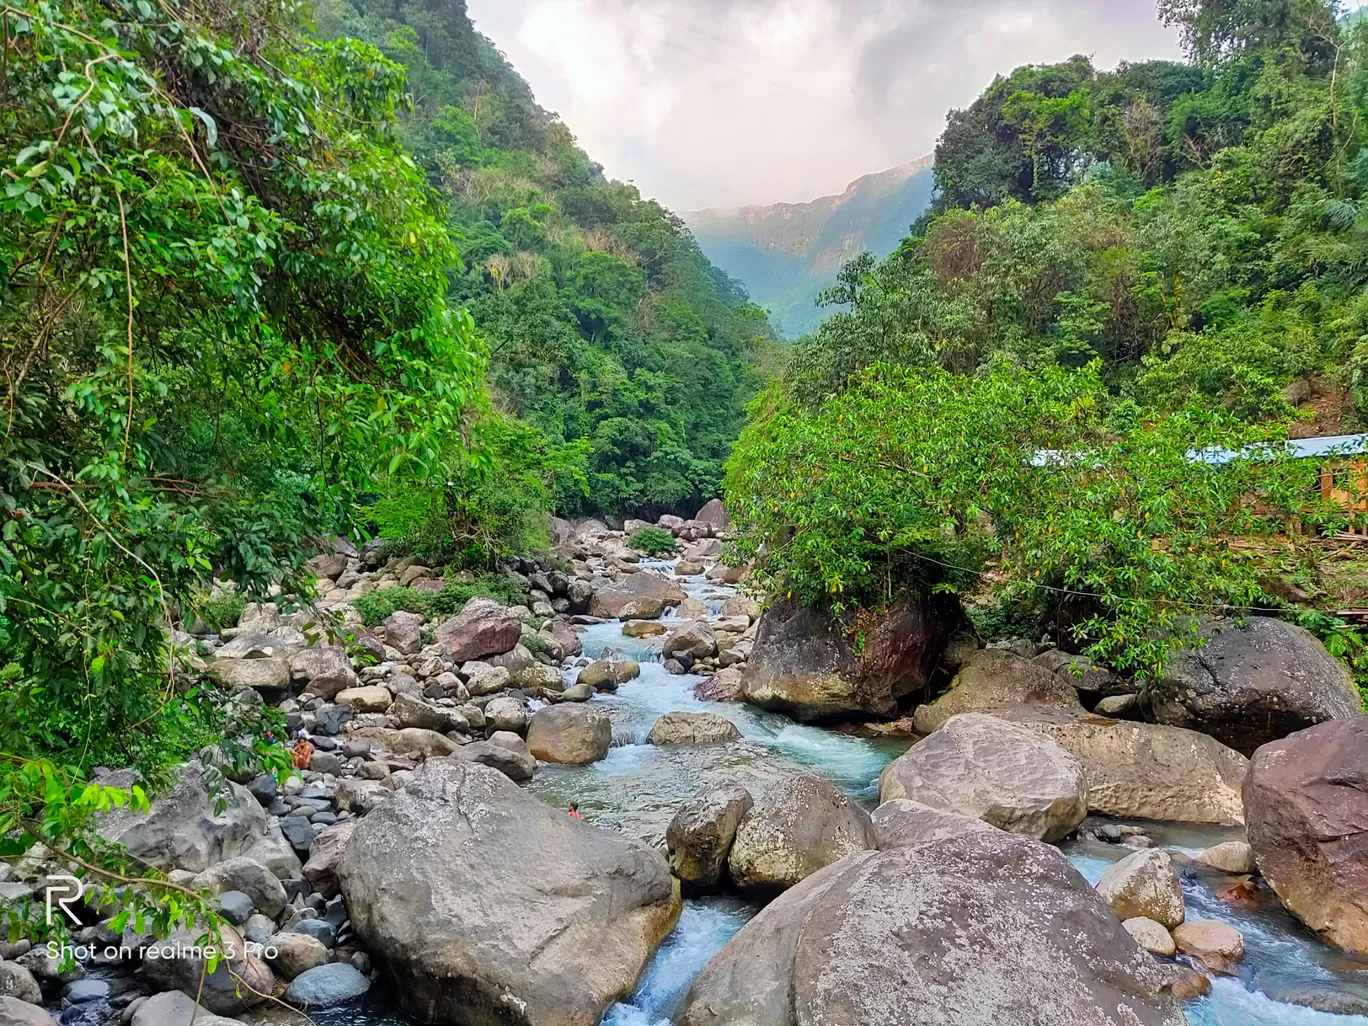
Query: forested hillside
[[786, 254], [1135, 264], [609, 332]]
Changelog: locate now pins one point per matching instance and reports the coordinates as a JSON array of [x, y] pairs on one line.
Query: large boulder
[[179, 962], [416, 741], [482, 629], [978, 930], [172, 1008], [183, 829], [404, 632], [991, 678], [571, 734], [505, 752], [1145, 770], [640, 596], [1252, 683], [325, 855], [484, 905], [1306, 810], [14, 1012], [1005, 774], [793, 831], [901, 823], [691, 728], [607, 673], [326, 985], [811, 664], [1144, 884], [248, 876], [324, 670], [695, 638], [699, 838], [271, 677], [714, 514]]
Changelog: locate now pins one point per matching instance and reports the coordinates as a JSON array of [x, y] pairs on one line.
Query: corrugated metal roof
[[1293, 448]]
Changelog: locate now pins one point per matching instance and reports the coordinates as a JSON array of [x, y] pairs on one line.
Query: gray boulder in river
[[1007, 775], [984, 929], [1306, 806], [805, 660], [1253, 683], [484, 905], [990, 678]]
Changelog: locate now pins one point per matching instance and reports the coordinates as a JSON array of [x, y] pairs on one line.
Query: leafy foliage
[[653, 541]]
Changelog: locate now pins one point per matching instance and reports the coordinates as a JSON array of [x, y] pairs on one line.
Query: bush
[[378, 605], [653, 541], [221, 610]]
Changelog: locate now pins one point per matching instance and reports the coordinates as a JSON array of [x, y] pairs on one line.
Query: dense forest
[[1120, 269]]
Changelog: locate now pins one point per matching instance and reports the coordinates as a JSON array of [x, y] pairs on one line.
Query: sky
[[719, 103]]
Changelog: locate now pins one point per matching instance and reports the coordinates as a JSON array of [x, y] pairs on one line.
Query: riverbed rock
[[1005, 774], [1217, 945], [640, 596], [1144, 884], [714, 514], [726, 685], [1145, 770], [182, 829], [1253, 683], [700, 835], [14, 1012], [692, 728], [409, 711], [481, 629], [569, 734], [248, 876], [566, 918], [325, 855], [1233, 857], [1153, 937], [324, 670], [414, 741], [294, 953], [793, 831], [366, 698], [505, 752], [990, 678], [1306, 802], [696, 638], [324, 986], [172, 1008], [982, 929], [404, 632], [805, 661], [608, 673], [271, 677], [18, 982], [901, 822], [643, 628], [178, 963]]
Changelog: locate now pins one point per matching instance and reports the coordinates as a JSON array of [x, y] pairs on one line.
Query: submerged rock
[[1005, 774], [805, 661], [983, 929], [484, 905]]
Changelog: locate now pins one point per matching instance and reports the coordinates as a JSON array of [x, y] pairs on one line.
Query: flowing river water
[[638, 787]]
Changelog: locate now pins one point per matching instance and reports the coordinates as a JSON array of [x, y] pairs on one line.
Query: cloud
[[729, 102]]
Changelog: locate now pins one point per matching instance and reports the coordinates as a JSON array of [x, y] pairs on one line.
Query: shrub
[[221, 610], [654, 541], [378, 605]]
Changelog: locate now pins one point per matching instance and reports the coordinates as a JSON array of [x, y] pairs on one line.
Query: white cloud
[[727, 102]]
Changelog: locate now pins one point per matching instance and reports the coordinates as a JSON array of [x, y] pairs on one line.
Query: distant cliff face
[[787, 253]]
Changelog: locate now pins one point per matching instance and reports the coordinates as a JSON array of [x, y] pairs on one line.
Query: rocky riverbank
[[423, 848]]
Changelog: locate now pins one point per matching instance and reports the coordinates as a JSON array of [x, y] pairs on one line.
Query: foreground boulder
[[991, 678], [801, 826], [1007, 775], [979, 930], [640, 596], [484, 905], [178, 963], [1145, 770], [901, 823], [1306, 807], [1253, 683], [806, 661], [482, 629], [183, 829]]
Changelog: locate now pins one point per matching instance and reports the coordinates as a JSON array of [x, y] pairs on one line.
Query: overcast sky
[[707, 103]]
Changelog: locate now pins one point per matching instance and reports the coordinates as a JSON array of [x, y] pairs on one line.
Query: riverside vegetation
[[315, 331]]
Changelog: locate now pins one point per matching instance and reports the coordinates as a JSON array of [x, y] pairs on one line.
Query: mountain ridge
[[787, 253]]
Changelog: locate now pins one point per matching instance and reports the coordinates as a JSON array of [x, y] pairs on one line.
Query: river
[[638, 786]]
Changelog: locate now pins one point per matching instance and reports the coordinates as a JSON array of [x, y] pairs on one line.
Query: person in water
[[575, 812]]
